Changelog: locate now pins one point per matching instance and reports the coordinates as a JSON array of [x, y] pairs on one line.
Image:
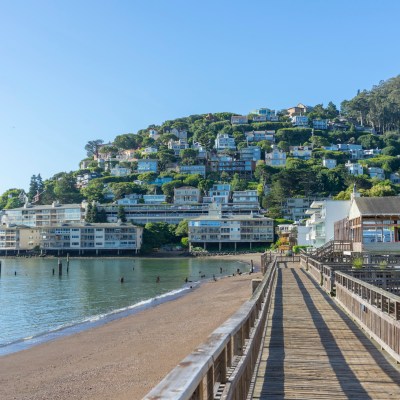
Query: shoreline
[[126, 357]]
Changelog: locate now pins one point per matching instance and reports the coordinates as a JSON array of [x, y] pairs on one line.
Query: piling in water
[[59, 267]]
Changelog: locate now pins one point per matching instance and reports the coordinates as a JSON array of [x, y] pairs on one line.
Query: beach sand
[[125, 359]]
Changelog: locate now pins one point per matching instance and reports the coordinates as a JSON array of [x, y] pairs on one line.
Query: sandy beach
[[124, 359]]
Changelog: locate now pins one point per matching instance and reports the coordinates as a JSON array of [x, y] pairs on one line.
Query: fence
[[376, 310], [223, 366]]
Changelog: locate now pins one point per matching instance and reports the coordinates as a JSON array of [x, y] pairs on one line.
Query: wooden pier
[[314, 350]]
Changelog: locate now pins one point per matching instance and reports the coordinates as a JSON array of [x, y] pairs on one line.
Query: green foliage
[[293, 136], [238, 183], [158, 234], [378, 107], [11, 198], [94, 191], [185, 242], [127, 141], [65, 189], [357, 263], [121, 215], [94, 215], [92, 147], [182, 229]]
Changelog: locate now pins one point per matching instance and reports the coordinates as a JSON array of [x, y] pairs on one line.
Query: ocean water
[[37, 306]]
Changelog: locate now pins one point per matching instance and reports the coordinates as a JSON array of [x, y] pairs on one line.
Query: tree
[[127, 141], [92, 147], [33, 188], [12, 198], [182, 229], [94, 191], [238, 183], [121, 214], [65, 189]]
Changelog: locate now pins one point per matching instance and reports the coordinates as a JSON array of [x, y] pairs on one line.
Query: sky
[[73, 71]]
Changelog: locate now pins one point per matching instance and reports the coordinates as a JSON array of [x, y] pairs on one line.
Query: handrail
[[209, 368], [375, 309]]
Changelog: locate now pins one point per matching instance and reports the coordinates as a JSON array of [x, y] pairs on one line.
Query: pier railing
[[375, 309], [222, 367]]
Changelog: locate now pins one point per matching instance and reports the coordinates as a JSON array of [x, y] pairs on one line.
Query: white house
[[300, 121], [147, 165], [224, 141], [323, 215], [276, 158], [302, 152]]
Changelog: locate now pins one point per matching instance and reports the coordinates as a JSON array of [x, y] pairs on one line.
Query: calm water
[[36, 306]]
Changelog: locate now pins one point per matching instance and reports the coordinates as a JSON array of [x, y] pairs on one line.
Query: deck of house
[[314, 350]]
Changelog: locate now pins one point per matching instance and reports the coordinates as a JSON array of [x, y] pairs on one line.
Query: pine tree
[[33, 188]]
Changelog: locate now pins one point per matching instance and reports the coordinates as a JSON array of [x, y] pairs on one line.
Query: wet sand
[[126, 358]]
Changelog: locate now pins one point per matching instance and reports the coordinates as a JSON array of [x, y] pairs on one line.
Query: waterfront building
[[44, 215], [372, 224], [98, 237], [223, 230]]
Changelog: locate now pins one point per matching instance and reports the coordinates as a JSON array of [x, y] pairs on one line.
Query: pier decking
[[314, 350]]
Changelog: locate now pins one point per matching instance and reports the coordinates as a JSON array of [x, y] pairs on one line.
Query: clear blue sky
[[73, 71]]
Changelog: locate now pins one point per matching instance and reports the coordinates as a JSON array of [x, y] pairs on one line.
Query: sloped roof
[[378, 205]]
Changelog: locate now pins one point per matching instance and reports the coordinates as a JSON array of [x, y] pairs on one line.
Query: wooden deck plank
[[313, 350]]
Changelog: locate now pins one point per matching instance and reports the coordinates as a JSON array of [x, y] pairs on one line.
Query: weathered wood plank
[[313, 350]]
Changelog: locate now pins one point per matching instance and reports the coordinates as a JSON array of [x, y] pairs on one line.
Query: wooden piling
[[59, 267]]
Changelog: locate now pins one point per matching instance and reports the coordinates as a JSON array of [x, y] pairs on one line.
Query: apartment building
[[92, 237], [193, 169], [186, 195], [44, 215], [223, 230]]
